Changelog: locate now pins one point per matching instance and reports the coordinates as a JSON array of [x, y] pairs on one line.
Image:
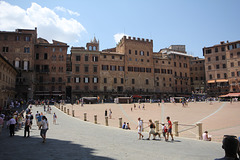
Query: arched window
[[90, 48], [17, 62], [25, 65], [94, 48]]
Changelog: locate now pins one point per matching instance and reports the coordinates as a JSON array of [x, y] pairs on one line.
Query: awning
[[222, 80], [231, 95], [89, 98], [124, 97], [211, 81], [136, 96], [178, 97], [223, 96]]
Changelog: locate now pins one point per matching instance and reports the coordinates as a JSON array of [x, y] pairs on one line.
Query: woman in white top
[[44, 128], [140, 128], [54, 118], [206, 137]]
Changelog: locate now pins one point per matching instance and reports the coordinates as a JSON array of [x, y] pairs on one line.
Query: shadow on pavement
[[18, 147]]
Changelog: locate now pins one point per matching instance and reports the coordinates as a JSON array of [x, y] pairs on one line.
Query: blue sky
[[194, 23]]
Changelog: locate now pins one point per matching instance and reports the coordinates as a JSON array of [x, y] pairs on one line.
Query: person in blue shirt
[[124, 125], [39, 119]]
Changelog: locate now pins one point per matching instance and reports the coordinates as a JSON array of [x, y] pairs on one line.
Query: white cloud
[[62, 9], [118, 36], [50, 25]]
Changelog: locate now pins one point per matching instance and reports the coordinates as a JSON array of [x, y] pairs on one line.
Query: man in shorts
[[169, 131], [39, 120]]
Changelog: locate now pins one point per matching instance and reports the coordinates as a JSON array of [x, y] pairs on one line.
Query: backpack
[[165, 129]]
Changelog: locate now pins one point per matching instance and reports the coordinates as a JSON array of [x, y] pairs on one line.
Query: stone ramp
[[72, 138]]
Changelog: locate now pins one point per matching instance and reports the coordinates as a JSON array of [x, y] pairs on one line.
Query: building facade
[[18, 48], [197, 75], [172, 74], [84, 78], [8, 75], [130, 69], [138, 65], [222, 64], [46, 71], [50, 68]]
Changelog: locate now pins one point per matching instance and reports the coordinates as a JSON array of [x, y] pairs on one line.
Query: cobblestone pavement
[[72, 138]]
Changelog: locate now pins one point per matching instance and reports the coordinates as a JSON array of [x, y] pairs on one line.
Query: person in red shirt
[[169, 131]]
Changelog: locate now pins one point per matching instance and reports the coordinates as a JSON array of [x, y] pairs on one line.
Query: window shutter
[[20, 64]]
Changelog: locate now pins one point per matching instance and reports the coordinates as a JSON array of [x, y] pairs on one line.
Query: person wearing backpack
[[27, 126]]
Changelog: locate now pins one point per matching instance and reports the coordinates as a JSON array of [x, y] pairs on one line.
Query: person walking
[[36, 116], [140, 128], [1, 123], [20, 120], [164, 131], [54, 118], [105, 112], [39, 119], [27, 126], [110, 113], [44, 127], [12, 123], [152, 130], [169, 129], [31, 119]]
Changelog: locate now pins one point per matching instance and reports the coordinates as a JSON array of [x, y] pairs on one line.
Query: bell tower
[[93, 45]]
